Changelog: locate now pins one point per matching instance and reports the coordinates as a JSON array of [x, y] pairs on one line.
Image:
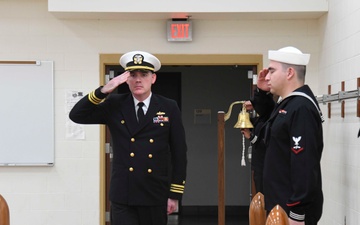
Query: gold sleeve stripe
[[92, 98], [177, 188], [180, 192], [180, 189]]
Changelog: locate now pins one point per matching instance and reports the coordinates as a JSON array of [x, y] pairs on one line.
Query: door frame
[[171, 60]]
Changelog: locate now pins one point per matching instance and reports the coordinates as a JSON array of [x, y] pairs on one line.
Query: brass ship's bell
[[243, 119]]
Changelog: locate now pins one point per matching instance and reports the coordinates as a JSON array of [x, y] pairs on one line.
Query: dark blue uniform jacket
[[149, 159], [292, 171]]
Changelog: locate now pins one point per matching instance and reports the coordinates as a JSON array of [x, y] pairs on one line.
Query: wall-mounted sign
[[202, 116], [179, 30]]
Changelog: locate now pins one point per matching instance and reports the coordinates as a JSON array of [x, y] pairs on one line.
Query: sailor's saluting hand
[[115, 82], [262, 83]]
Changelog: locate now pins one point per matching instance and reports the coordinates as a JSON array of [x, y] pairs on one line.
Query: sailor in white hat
[[286, 71], [290, 55], [293, 137]]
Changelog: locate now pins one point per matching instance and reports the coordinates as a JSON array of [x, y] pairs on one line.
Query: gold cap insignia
[[138, 59]]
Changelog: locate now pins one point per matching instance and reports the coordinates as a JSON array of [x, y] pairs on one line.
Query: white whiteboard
[[27, 113]]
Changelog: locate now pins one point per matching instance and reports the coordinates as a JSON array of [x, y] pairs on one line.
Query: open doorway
[[218, 66]]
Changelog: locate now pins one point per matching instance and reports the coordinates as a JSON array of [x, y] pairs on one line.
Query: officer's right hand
[[115, 82]]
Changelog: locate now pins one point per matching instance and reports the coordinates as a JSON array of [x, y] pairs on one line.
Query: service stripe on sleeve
[[92, 98], [177, 188], [297, 217]]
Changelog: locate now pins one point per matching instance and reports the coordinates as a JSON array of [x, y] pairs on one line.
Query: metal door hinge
[[108, 150], [109, 76]]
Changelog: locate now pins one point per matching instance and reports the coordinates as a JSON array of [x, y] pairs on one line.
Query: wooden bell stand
[[221, 168]]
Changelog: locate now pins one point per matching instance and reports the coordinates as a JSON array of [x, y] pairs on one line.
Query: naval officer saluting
[[147, 132]]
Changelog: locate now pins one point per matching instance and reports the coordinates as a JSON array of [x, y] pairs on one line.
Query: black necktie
[[140, 112]]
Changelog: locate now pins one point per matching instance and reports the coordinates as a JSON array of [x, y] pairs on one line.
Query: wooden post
[[221, 168], [4, 212]]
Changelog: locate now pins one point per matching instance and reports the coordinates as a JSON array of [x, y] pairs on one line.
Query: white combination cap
[[139, 60], [290, 55]]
